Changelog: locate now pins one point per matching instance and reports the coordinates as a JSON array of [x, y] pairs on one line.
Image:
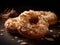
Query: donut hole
[[33, 20]]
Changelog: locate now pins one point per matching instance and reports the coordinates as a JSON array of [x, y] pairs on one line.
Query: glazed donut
[[49, 16], [32, 25], [12, 24]]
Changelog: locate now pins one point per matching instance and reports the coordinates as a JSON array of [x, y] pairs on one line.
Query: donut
[[49, 16], [12, 24], [32, 25]]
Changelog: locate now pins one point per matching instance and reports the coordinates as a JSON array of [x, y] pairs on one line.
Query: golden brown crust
[[31, 24], [32, 29], [49, 16], [12, 24]]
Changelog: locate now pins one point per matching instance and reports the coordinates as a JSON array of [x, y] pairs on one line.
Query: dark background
[[52, 5], [22, 5]]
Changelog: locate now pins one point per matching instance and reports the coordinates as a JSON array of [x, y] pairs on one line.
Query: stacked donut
[[31, 24]]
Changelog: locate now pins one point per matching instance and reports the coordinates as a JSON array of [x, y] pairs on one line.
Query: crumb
[[16, 37], [49, 39], [2, 30], [51, 30], [23, 43], [1, 34], [12, 39], [19, 40]]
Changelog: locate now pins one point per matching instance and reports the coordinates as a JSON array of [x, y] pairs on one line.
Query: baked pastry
[[49, 16], [32, 25], [12, 24]]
